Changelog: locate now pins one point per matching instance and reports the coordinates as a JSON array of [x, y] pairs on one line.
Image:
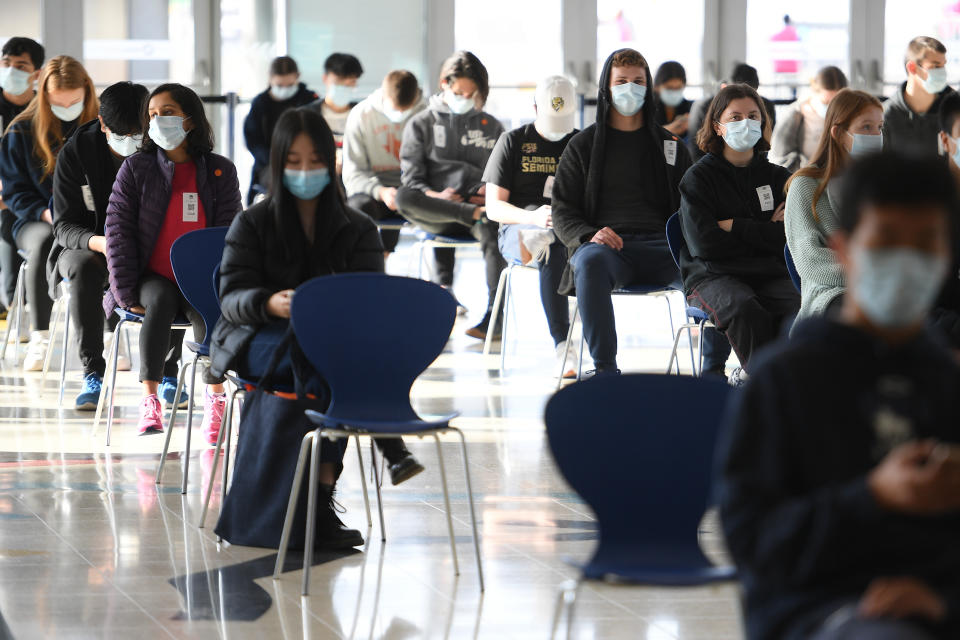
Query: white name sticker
[[439, 135], [548, 187], [670, 151], [190, 210], [87, 197], [765, 194]]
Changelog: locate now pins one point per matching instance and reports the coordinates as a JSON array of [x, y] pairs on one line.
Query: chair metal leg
[[473, 515], [666, 297], [107, 381], [363, 482], [376, 482], [113, 381], [446, 502], [66, 344], [703, 328], [190, 405], [311, 513], [566, 598], [305, 446], [54, 324], [170, 424], [15, 303], [507, 300], [676, 346], [563, 363], [497, 300], [21, 304], [213, 469], [227, 444]]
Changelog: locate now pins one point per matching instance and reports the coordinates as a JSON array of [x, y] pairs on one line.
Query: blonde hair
[[62, 72]]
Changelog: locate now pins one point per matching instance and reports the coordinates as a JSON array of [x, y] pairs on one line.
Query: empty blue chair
[[194, 257], [370, 361], [645, 474], [427, 240], [696, 317], [791, 267]]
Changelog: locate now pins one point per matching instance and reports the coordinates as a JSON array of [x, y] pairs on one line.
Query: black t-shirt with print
[[523, 162]]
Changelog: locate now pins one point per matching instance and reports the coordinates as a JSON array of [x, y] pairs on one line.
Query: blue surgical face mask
[[896, 288], [955, 156], [124, 145], [628, 98], [457, 103], [14, 81], [67, 114], [306, 185], [936, 80], [282, 93], [671, 97], [167, 131], [864, 144], [340, 95], [742, 135], [395, 115]]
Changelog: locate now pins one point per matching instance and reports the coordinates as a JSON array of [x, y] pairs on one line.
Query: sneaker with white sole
[[213, 407], [36, 351], [738, 377], [168, 387], [572, 354], [90, 394], [151, 416], [123, 358]]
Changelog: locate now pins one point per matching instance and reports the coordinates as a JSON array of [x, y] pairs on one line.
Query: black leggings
[[159, 345], [36, 238]]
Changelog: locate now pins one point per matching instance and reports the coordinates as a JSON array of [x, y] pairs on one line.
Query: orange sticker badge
[[218, 173]]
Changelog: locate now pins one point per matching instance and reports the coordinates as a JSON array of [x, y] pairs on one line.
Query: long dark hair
[[332, 201], [200, 137]]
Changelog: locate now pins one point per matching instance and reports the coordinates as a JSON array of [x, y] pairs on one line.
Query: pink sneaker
[[151, 417], [213, 407]]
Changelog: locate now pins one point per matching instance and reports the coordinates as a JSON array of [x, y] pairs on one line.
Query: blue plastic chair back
[[194, 256], [636, 453], [791, 268], [370, 335]]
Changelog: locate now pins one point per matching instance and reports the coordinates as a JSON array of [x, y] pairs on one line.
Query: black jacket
[[819, 413], [84, 161], [255, 266], [713, 190], [576, 188], [909, 132], [260, 121]]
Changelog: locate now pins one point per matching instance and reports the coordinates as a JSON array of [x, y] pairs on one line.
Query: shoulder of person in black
[[524, 164]]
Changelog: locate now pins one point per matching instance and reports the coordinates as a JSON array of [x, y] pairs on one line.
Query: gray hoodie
[[909, 132], [442, 149], [371, 146]]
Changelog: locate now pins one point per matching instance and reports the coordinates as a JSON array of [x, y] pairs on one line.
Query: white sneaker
[[537, 242], [572, 353], [123, 358], [738, 377], [36, 351]]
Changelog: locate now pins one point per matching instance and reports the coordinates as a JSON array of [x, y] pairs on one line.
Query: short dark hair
[[949, 112], [402, 88], [121, 107], [670, 70], [830, 79], [709, 141], [20, 45], [200, 138], [344, 65], [464, 64], [918, 48], [896, 179], [283, 65], [745, 74]]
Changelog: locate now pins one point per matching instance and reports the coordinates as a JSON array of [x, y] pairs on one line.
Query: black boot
[[400, 461], [331, 532]]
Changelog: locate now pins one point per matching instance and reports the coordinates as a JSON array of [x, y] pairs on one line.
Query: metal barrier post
[[232, 101]]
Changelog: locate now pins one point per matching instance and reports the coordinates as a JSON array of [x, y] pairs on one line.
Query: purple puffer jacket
[[137, 209]]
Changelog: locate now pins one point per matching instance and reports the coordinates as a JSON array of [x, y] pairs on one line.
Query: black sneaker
[[331, 532], [601, 373], [480, 330], [404, 469]]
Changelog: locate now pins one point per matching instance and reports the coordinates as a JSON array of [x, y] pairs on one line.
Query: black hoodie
[[259, 124], [714, 190], [576, 190]]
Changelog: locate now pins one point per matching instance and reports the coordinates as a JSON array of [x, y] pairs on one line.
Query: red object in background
[[787, 34]]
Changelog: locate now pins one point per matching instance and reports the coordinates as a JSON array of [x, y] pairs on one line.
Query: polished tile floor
[[91, 547]]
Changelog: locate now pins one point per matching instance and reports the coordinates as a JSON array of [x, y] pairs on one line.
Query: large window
[[661, 30], [788, 41], [20, 19], [906, 20]]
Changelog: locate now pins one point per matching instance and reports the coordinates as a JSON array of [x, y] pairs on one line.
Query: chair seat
[[376, 426], [198, 348], [426, 236], [697, 314], [129, 316], [251, 385], [641, 290], [659, 576], [394, 222]]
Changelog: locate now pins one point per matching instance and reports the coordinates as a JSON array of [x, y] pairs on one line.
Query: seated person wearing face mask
[[910, 122], [285, 92], [340, 74], [851, 129], [731, 213], [82, 183], [371, 148], [673, 110], [519, 178], [798, 133], [839, 464]]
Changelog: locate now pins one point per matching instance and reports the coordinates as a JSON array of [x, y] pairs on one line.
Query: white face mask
[[124, 145], [67, 114], [819, 107], [936, 80], [671, 97], [167, 131], [282, 93], [742, 135], [340, 95], [864, 145], [458, 104], [14, 81]]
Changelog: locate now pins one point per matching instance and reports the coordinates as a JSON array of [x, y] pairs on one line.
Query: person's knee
[[87, 268], [160, 296], [363, 202], [591, 265], [406, 197]]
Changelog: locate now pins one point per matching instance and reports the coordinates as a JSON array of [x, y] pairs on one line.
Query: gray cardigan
[[821, 276]]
